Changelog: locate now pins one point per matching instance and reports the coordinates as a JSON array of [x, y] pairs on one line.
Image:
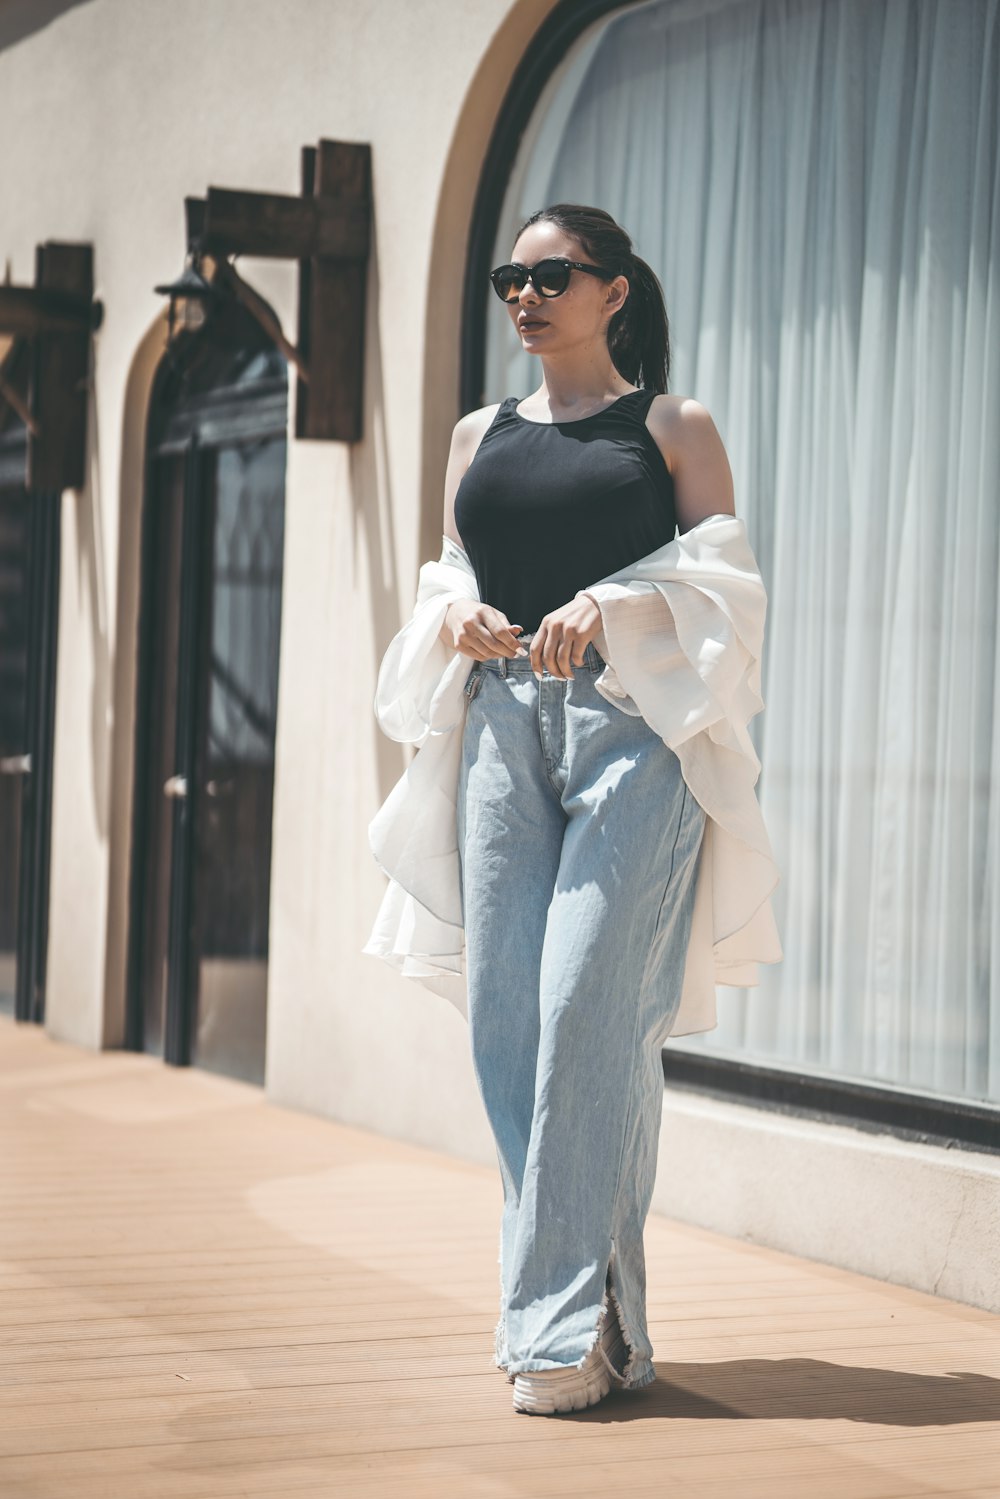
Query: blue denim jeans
[[579, 844]]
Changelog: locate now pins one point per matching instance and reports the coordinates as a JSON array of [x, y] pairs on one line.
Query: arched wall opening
[[204, 439], [134, 411], [514, 70], [763, 161]]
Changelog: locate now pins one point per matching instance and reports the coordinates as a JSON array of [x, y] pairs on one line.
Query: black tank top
[[545, 509]]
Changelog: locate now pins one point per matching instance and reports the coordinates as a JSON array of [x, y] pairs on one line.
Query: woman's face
[[579, 317]]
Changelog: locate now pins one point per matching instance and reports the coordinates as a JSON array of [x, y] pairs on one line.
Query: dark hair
[[638, 334]]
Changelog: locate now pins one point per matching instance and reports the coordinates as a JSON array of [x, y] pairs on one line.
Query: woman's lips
[[529, 325]]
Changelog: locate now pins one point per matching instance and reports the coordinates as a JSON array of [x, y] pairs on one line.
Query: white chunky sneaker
[[545, 1392]]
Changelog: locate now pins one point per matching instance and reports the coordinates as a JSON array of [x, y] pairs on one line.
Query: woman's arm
[[465, 439], [694, 453], [471, 628]]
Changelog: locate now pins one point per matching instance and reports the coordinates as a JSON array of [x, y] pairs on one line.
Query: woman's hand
[[561, 639], [479, 631]]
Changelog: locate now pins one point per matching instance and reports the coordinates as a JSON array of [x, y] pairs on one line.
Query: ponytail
[[639, 333]]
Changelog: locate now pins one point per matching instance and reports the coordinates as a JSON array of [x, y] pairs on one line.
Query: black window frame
[[44, 509], [929, 1118]]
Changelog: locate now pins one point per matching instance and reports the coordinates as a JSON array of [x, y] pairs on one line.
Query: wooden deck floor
[[204, 1295]]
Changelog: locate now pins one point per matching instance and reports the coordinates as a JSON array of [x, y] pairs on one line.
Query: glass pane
[[822, 216], [233, 356], [235, 759], [13, 724]]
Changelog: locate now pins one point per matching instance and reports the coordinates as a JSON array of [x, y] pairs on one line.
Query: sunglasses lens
[[507, 282], [551, 277]]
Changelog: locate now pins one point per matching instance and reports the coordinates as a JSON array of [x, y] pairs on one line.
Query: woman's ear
[[616, 294]]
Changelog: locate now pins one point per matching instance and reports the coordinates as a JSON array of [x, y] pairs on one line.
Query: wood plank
[[280, 226], [207, 1296], [332, 296], [27, 311], [60, 365]]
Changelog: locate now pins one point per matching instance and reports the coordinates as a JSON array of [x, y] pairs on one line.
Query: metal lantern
[[190, 298]]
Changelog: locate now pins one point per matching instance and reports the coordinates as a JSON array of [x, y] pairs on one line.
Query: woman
[[609, 672]]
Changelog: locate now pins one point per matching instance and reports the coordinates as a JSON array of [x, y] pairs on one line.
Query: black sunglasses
[[549, 277]]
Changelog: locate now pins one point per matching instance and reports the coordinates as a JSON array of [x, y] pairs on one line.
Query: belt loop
[[503, 665]]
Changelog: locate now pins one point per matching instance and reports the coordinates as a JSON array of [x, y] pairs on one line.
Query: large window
[[817, 183]]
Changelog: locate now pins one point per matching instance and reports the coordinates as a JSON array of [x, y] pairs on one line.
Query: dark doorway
[[29, 614], [213, 535]]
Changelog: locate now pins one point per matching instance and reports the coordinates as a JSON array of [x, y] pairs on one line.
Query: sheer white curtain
[[817, 183]]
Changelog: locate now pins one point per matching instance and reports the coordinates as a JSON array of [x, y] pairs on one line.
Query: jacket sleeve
[[418, 928], [416, 691], [684, 638], [684, 634]]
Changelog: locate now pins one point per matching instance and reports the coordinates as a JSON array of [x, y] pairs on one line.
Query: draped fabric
[[682, 631], [817, 184]]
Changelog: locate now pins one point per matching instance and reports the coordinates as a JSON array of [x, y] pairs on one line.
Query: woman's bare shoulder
[[694, 453], [680, 421], [471, 428], [468, 433]]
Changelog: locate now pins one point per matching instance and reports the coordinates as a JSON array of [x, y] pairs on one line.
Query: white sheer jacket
[[682, 634]]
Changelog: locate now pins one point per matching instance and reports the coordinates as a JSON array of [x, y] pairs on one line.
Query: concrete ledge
[[916, 1215]]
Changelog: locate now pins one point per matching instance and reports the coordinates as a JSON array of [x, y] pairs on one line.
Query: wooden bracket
[[227, 275], [328, 231], [14, 386], [56, 317], [332, 300]]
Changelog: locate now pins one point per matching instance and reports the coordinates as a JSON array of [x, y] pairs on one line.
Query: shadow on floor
[[798, 1389]]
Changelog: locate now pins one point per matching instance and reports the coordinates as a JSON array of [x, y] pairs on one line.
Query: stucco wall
[[118, 111]]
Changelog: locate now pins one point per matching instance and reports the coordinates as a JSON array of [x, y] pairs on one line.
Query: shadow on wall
[[21, 18], [372, 517], [459, 183], [92, 593]]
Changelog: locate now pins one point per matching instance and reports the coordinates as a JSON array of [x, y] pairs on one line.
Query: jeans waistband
[[592, 660]]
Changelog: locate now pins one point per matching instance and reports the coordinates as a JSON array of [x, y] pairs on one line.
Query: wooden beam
[[332, 302], [307, 173], [277, 226], [59, 369], [27, 310]]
